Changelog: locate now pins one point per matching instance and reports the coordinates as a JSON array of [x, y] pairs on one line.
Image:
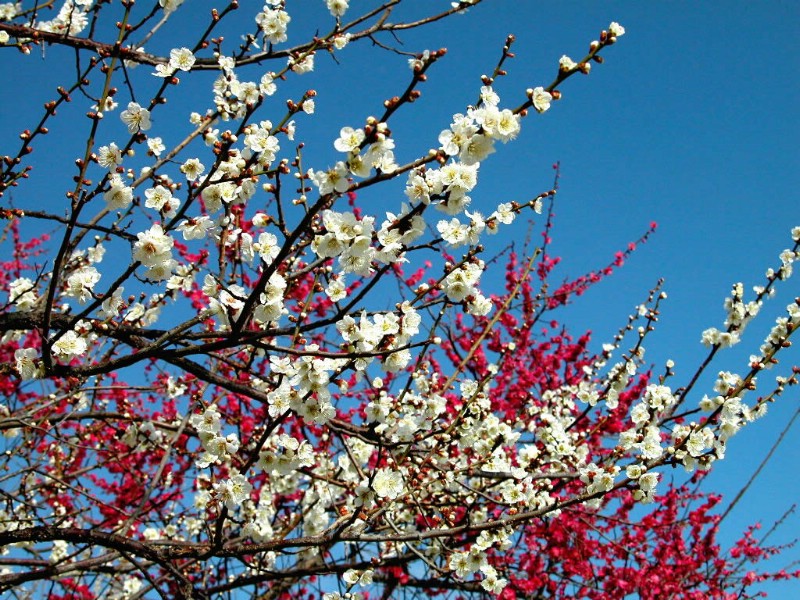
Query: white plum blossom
[[70, 20], [566, 64], [164, 70], [209, 421], [233, 491], [22, 293], [308, 106], [647, 487], [69, 345], [388, 483], [109, 156], [458, 178], [155, 145], [476, 149], [462, 281], [80, 284], [349, 139], [158, 197], [27, 363], [196, 228], [461, 130], [341, 40], [181, 59], [192, 168], [119, 195], [273, 24], [616, 30], [9, 10], [153, 247], [259, 140], [504, 214], [699, 441], [170, 5], [541, 99], [336, 289], [267, 84], [267, 247], [136, 118], [302, 65], [337, 7], [488, 96], [508, 126], [492, 582], [334, 179]]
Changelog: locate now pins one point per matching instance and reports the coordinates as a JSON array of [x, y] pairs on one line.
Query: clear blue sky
[[691, 122]]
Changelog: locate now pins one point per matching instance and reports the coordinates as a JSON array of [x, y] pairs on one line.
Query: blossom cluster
[[294, 409]]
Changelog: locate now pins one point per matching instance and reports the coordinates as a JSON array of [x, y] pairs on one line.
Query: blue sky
[[690, 122]]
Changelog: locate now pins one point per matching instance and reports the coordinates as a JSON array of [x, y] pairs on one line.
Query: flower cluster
[[154, 250], [268, 381]]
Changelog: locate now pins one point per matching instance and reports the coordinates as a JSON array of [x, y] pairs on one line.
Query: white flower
[[476, 149], [164, 70], [700, 440], [22, 293], [234, 491], [181, 59], [453, 232], [119, 195], [640, 413], [197, 228], [480, 306], [616, 30], [69, 345], [489, 96], [207, 422], [459, 177], [9, 10], [349, 139], [27, 363], [566, 64], [334, 179], [541, 99], [112, 304], [419, 61], [505, 213], [303, 65], [633, 471], [268, 247], [397, 361], [157, 197], [341, 40], [362, 578], [192, 168], [508, 126], [388, 483], [648, 481], [273, 24], [337, 7], [336, 290], [153, 247], [81, 283], [267, 85], [109, 156], [492, 583], [136, 118], [170, 5], [155, 145]]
